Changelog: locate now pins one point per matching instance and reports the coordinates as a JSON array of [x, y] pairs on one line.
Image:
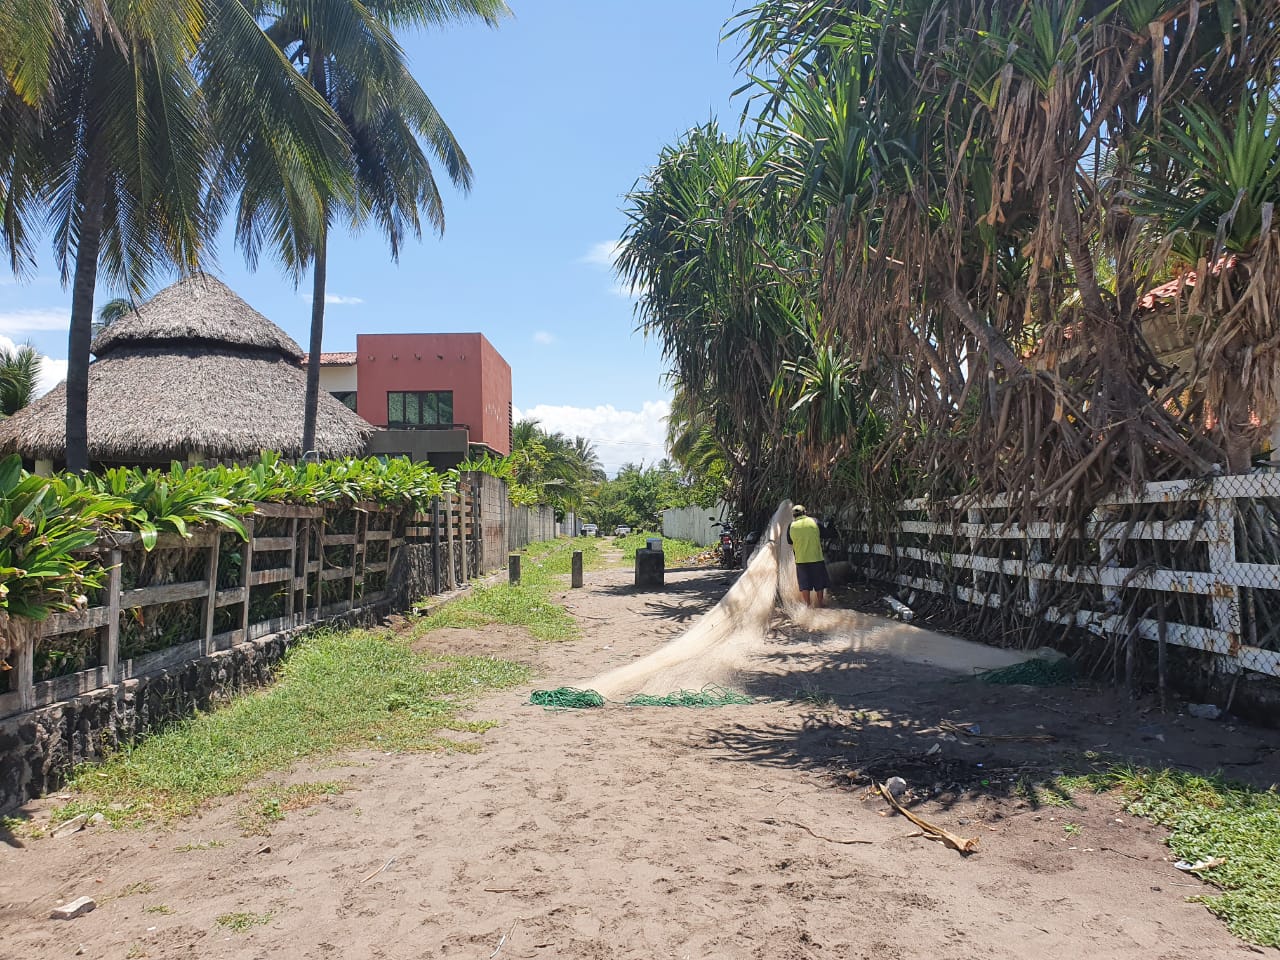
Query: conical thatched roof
[[194, 370], [193, 313]]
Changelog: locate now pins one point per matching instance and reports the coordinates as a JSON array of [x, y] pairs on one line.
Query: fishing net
[[566, 698], [1032, 673], [712, 695]]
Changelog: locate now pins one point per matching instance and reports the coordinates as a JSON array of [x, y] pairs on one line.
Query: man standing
[[811, 569]]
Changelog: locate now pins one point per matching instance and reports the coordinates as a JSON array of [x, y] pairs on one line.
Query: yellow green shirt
[[807, 539]]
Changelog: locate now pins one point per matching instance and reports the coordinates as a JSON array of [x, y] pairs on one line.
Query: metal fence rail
[[1190, 563]]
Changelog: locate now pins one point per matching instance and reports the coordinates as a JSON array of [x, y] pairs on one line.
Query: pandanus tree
[[347, 52], [106, 138], [1038, 165]]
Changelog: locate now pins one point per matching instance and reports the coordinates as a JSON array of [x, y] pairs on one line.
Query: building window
[[345, 397], [420, 408]]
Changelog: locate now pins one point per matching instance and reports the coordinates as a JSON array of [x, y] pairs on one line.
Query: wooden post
[[357, 547], [291, 598], [320, 526], [24, 667], [1226, 598], [464, 541], [575, 576], [450, 572], [111, 653], [211, 595], [246, 570], [435, 545], [513, 569]]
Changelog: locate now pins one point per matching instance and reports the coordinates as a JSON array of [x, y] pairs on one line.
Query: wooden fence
[[1190, 563], [191, 597]]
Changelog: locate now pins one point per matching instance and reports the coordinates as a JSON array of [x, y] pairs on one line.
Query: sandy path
[[630, 833]]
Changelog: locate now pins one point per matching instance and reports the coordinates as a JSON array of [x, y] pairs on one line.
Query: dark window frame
[[345, 397], [428, 405]]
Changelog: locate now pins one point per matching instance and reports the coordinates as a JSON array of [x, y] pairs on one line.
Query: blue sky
[[559, 111]]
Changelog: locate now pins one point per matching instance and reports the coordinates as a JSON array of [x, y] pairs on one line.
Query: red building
[[438, 395]]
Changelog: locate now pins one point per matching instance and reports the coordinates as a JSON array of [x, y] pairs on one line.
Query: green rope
[[1033, 673], [571, 698], [566, 698], [709, 696]]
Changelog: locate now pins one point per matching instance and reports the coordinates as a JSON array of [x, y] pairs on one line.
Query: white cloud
[[544, 338], [603, 254], [52, 372], [28, 321], [334, 299], [619, 436]]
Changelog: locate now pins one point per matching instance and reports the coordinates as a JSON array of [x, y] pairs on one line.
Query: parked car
[[589, 529], [621, 530]]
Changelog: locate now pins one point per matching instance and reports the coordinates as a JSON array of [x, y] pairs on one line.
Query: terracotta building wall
[[465, 363]]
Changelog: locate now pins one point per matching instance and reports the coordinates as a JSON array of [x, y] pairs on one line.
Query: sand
[[645, 833]]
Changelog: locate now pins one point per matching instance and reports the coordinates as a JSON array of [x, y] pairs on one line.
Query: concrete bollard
[[575, 570], [513, 569], [650, 568]]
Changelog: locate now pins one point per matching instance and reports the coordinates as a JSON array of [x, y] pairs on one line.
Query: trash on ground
[[1208, 864], [76, 908], [964, 845], [1205, 711]]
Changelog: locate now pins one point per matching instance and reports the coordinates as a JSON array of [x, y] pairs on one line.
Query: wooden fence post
[[211, 595], [246, 573], [450, 573], [1226, 598], [468, 542], [24, 669], [291, 598], [435, 545], [111, 653]]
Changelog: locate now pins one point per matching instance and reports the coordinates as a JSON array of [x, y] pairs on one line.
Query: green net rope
[[1032, 673], [566, 698], [571, 698], [709, 696]]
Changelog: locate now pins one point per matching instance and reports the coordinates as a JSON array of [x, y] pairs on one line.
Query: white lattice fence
[[1194, 563]]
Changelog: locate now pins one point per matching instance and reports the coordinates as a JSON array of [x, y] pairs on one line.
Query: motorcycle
[[730, 544]]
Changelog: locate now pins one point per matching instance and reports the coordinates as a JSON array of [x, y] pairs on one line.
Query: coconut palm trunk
[[82, 291], [318, 280]]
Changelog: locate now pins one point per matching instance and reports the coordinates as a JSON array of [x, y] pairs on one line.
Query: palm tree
[[585, 452], [19, 373], [111, 311], [105, 133], [347, 53]]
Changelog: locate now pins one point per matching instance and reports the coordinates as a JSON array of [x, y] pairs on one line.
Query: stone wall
[[38, 749]]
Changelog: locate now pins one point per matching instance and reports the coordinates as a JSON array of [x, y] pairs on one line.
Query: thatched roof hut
[[194, 373]]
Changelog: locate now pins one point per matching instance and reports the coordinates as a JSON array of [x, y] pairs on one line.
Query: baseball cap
[[797, 510]]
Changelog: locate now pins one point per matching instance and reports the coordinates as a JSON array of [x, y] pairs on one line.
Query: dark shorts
[[812, 576]]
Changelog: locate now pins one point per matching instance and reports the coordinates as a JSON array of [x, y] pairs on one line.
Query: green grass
[[677, 551], [528, 604], [1210, 817], [272, 803], [336, 690], [241, 922]]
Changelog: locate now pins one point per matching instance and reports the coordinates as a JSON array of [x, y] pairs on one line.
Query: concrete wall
[[692, 523], [335, 378], [495, 425], [443, 449]]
